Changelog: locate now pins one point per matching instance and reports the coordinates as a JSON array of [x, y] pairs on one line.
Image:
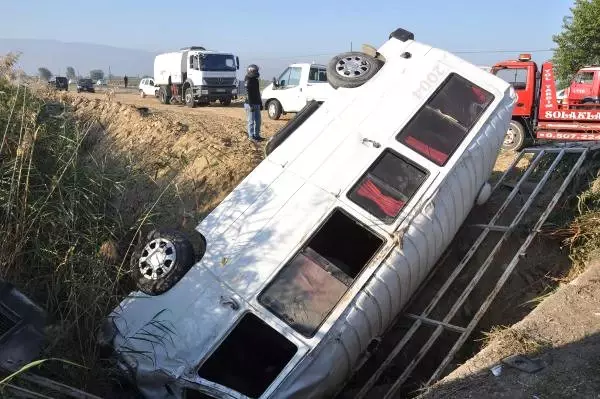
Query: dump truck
[[195, 76], [538, 115]]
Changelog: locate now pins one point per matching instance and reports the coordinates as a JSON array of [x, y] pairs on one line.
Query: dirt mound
[[190, 162]]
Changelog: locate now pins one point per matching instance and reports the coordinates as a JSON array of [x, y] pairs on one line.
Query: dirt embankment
[[181, 164]]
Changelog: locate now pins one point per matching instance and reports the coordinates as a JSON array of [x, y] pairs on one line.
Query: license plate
[[220, 90], [567, 136]]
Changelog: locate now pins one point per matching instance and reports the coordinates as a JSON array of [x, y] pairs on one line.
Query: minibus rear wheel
[[352, 69], [164, 259]]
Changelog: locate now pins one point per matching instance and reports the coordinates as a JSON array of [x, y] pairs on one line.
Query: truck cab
[[295, 86], [585, 87], [541, 111]]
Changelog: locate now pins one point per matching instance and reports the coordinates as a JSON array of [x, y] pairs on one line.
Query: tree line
[[45, 74]]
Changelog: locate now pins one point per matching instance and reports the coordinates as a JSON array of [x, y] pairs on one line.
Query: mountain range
[[57, 56]]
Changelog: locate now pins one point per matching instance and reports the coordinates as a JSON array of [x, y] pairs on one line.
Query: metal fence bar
[[432, 322], [509, 269]]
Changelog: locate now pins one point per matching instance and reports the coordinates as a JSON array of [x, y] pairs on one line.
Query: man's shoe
[[259, 138]]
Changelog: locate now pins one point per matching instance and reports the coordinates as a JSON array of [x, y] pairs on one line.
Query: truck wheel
[[514, 139], [156, 93], [142, 94], [274, 109], [226, 102], [352, 69], [189, 98], [162, 96], [162, 261], [291, 126]]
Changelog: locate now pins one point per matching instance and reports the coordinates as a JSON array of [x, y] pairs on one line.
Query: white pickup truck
[[297, 85]]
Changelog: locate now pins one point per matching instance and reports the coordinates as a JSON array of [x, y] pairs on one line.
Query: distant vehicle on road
[[147, 88], [85, 85], [101, 82], [60, 83]]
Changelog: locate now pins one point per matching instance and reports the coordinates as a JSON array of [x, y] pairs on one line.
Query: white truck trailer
[[194, 75]]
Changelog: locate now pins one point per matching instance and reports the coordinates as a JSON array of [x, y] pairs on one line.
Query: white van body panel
[[264, 221]]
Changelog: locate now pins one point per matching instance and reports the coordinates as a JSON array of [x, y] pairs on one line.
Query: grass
[[60, 226]]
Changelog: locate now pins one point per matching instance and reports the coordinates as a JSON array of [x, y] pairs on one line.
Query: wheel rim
[[509, 137], [157, 259], [272, 109], [352, 67], [188, 97]]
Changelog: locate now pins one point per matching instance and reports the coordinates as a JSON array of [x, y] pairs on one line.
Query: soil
[[563, 332]]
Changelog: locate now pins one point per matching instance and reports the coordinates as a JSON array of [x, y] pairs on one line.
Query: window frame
[[288, 85], [468, 129], [318, 70], [301, 248], [409, 202]]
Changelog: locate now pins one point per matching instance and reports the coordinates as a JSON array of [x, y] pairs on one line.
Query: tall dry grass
[[59, 224]]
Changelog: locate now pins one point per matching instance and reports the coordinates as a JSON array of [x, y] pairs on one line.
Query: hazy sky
[[267, 32]]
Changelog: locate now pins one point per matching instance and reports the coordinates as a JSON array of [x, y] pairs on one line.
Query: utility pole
[[350, 46]]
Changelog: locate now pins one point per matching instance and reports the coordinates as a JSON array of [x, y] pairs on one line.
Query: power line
[[453, 52]]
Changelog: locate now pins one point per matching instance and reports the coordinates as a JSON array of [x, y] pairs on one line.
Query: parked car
[[60, 83], [296, 85], [101, 82], [147, 88], [312, 256], [85, 85]]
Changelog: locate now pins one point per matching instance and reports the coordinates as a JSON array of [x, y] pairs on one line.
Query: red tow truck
[[539, 115]]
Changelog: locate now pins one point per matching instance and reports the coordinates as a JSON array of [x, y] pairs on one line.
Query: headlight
[[234, 91], [236, 82], [203, 91]]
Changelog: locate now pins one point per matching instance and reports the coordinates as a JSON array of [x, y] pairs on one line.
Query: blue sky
[[279, 32]]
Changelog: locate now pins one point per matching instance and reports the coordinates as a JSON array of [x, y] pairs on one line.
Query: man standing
[[125, 80], [253, 104]]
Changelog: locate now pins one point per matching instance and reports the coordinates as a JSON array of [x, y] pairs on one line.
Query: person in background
[[125, 80], [253, 104]]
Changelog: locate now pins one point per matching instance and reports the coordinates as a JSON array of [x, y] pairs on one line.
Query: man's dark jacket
[[253, 90]]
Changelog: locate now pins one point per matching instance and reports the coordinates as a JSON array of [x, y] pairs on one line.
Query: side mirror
[[275, 84], [237, 61]]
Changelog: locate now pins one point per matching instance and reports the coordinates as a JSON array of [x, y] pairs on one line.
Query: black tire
[[352, 69], [226, 102], [142, 94], [514, 140], [156, 93], [189, 98], [291, 126], [274, 109], [78, 91], [163, 96], [179, 257]]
